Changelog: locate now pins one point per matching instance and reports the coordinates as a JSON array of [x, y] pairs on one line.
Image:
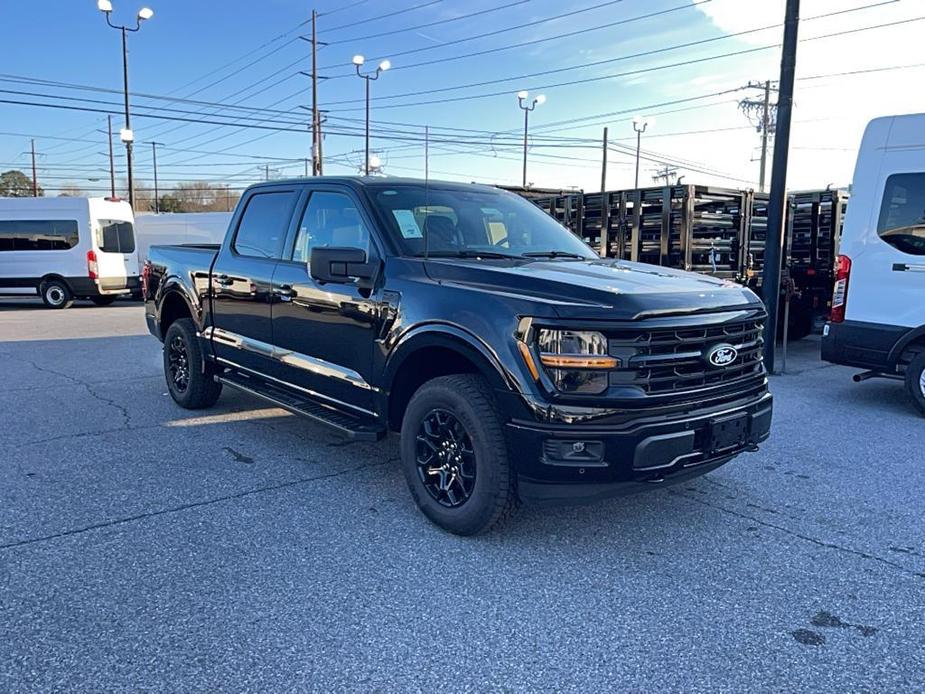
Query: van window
[[263, 225], [902, 213], [115, 237], [330, 219], [38, 235]]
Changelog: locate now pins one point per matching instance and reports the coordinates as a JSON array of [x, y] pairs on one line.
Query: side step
[[350, 426]]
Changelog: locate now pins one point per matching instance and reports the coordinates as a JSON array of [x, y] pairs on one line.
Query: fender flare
[[173, 285], [449, 337]]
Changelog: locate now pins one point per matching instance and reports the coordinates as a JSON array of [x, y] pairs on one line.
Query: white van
[[878, 308], [179, 228], [66, 249]]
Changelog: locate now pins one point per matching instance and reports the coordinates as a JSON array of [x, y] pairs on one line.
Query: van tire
[[56, 294], [915, 381], [190, 380], [102, 300], [465, 400]]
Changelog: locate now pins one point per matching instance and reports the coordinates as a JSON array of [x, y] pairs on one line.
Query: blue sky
[[182, 53]]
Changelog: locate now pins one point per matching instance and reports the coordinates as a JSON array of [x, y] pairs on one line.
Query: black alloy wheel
[[445, 458], [178, 363]]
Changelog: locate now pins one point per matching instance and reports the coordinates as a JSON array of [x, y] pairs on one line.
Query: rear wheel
[[915, 381], [56, 294], [102, 300], [454, 455], [189, 378]]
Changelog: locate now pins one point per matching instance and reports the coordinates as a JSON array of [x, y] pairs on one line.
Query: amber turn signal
[[578, 361], [528, 358]]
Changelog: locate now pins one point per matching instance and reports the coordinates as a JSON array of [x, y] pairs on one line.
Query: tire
[[189, 378], [915, 381], [102, 300], [474, 489], [56, 294]]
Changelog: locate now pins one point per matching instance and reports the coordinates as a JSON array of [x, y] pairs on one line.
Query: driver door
[[326, 333]]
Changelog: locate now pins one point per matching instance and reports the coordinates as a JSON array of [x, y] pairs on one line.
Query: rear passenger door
[[242, 276]]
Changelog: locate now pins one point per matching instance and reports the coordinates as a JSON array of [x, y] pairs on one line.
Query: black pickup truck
[[516, 364]]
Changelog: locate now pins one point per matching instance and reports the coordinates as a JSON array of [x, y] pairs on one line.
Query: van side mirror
[[341, 265]]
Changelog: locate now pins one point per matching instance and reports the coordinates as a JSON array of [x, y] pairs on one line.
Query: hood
[[615, 289]]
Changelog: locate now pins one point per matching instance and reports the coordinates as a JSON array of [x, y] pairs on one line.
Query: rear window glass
[[263, 225], [38, 234], [116, 237], [902, 213]]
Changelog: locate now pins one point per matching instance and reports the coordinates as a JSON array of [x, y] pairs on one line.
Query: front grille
[[673, 360]]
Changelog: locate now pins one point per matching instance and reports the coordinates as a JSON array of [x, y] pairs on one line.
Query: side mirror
[[340, 265]]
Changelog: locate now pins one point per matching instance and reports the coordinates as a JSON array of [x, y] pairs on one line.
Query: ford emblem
[[722, 355]]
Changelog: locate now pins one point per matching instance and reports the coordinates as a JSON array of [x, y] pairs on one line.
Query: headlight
[[576, 360]]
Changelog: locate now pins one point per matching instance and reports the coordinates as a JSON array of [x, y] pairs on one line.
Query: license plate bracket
[[728, 432]]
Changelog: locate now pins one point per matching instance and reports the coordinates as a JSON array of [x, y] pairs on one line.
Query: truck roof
[[375, 182]]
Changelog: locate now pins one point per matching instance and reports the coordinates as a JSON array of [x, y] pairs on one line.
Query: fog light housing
[[576, 360]]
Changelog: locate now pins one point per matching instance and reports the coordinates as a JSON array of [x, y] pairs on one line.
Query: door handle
[[285, 292], [223, 280]]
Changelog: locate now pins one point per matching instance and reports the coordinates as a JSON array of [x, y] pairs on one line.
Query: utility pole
[[776, 212], [760, 112], [35, 180], [604, 163], [112, 162], [526, 107], [266, 172], [604, 249], [157, 206], [765, 126], [639, 125], [426, 153], [316, 122], [667, 173], [306, 167]]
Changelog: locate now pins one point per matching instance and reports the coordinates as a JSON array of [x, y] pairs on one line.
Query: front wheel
[[189, 379], [454, 455], [56, 294], [915, 381]]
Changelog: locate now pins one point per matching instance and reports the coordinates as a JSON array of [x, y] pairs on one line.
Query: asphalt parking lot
[[143, 547]]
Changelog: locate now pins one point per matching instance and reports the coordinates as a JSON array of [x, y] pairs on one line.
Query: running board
[[348, 425]]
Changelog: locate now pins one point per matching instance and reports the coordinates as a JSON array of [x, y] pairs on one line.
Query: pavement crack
[[126, 417], [806, 538], [193, 505]]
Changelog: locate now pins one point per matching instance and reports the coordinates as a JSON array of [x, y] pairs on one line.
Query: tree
[[169, 203], [15, 184], [202, 196], [71, 190]]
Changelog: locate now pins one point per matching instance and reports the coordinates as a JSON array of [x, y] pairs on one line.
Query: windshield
[[472, 223]]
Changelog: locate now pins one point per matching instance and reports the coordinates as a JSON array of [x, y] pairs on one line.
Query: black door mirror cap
[[340, 265]]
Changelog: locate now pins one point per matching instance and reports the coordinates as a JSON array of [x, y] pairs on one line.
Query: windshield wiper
[[554, 254], [467, 254]]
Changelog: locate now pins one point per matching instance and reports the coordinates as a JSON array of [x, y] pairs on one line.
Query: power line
[[642, 70], [595, 63], [533, 42], [392, 32]]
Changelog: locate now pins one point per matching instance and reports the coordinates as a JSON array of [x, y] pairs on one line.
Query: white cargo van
[[66, 249], [878, 308], [178, 229]]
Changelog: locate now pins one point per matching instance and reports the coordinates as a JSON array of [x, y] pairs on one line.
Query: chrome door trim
[[288, 357]]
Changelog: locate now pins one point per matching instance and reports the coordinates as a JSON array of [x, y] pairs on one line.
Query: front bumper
[[573, 463]]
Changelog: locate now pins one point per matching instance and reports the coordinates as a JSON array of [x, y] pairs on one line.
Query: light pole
[[639, 125], [522, 102], [358, 61], [145, 13]]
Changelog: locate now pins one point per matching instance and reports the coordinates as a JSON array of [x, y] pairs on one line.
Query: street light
[[522, 102], [639, 125], [128, 137], [358, 61]]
